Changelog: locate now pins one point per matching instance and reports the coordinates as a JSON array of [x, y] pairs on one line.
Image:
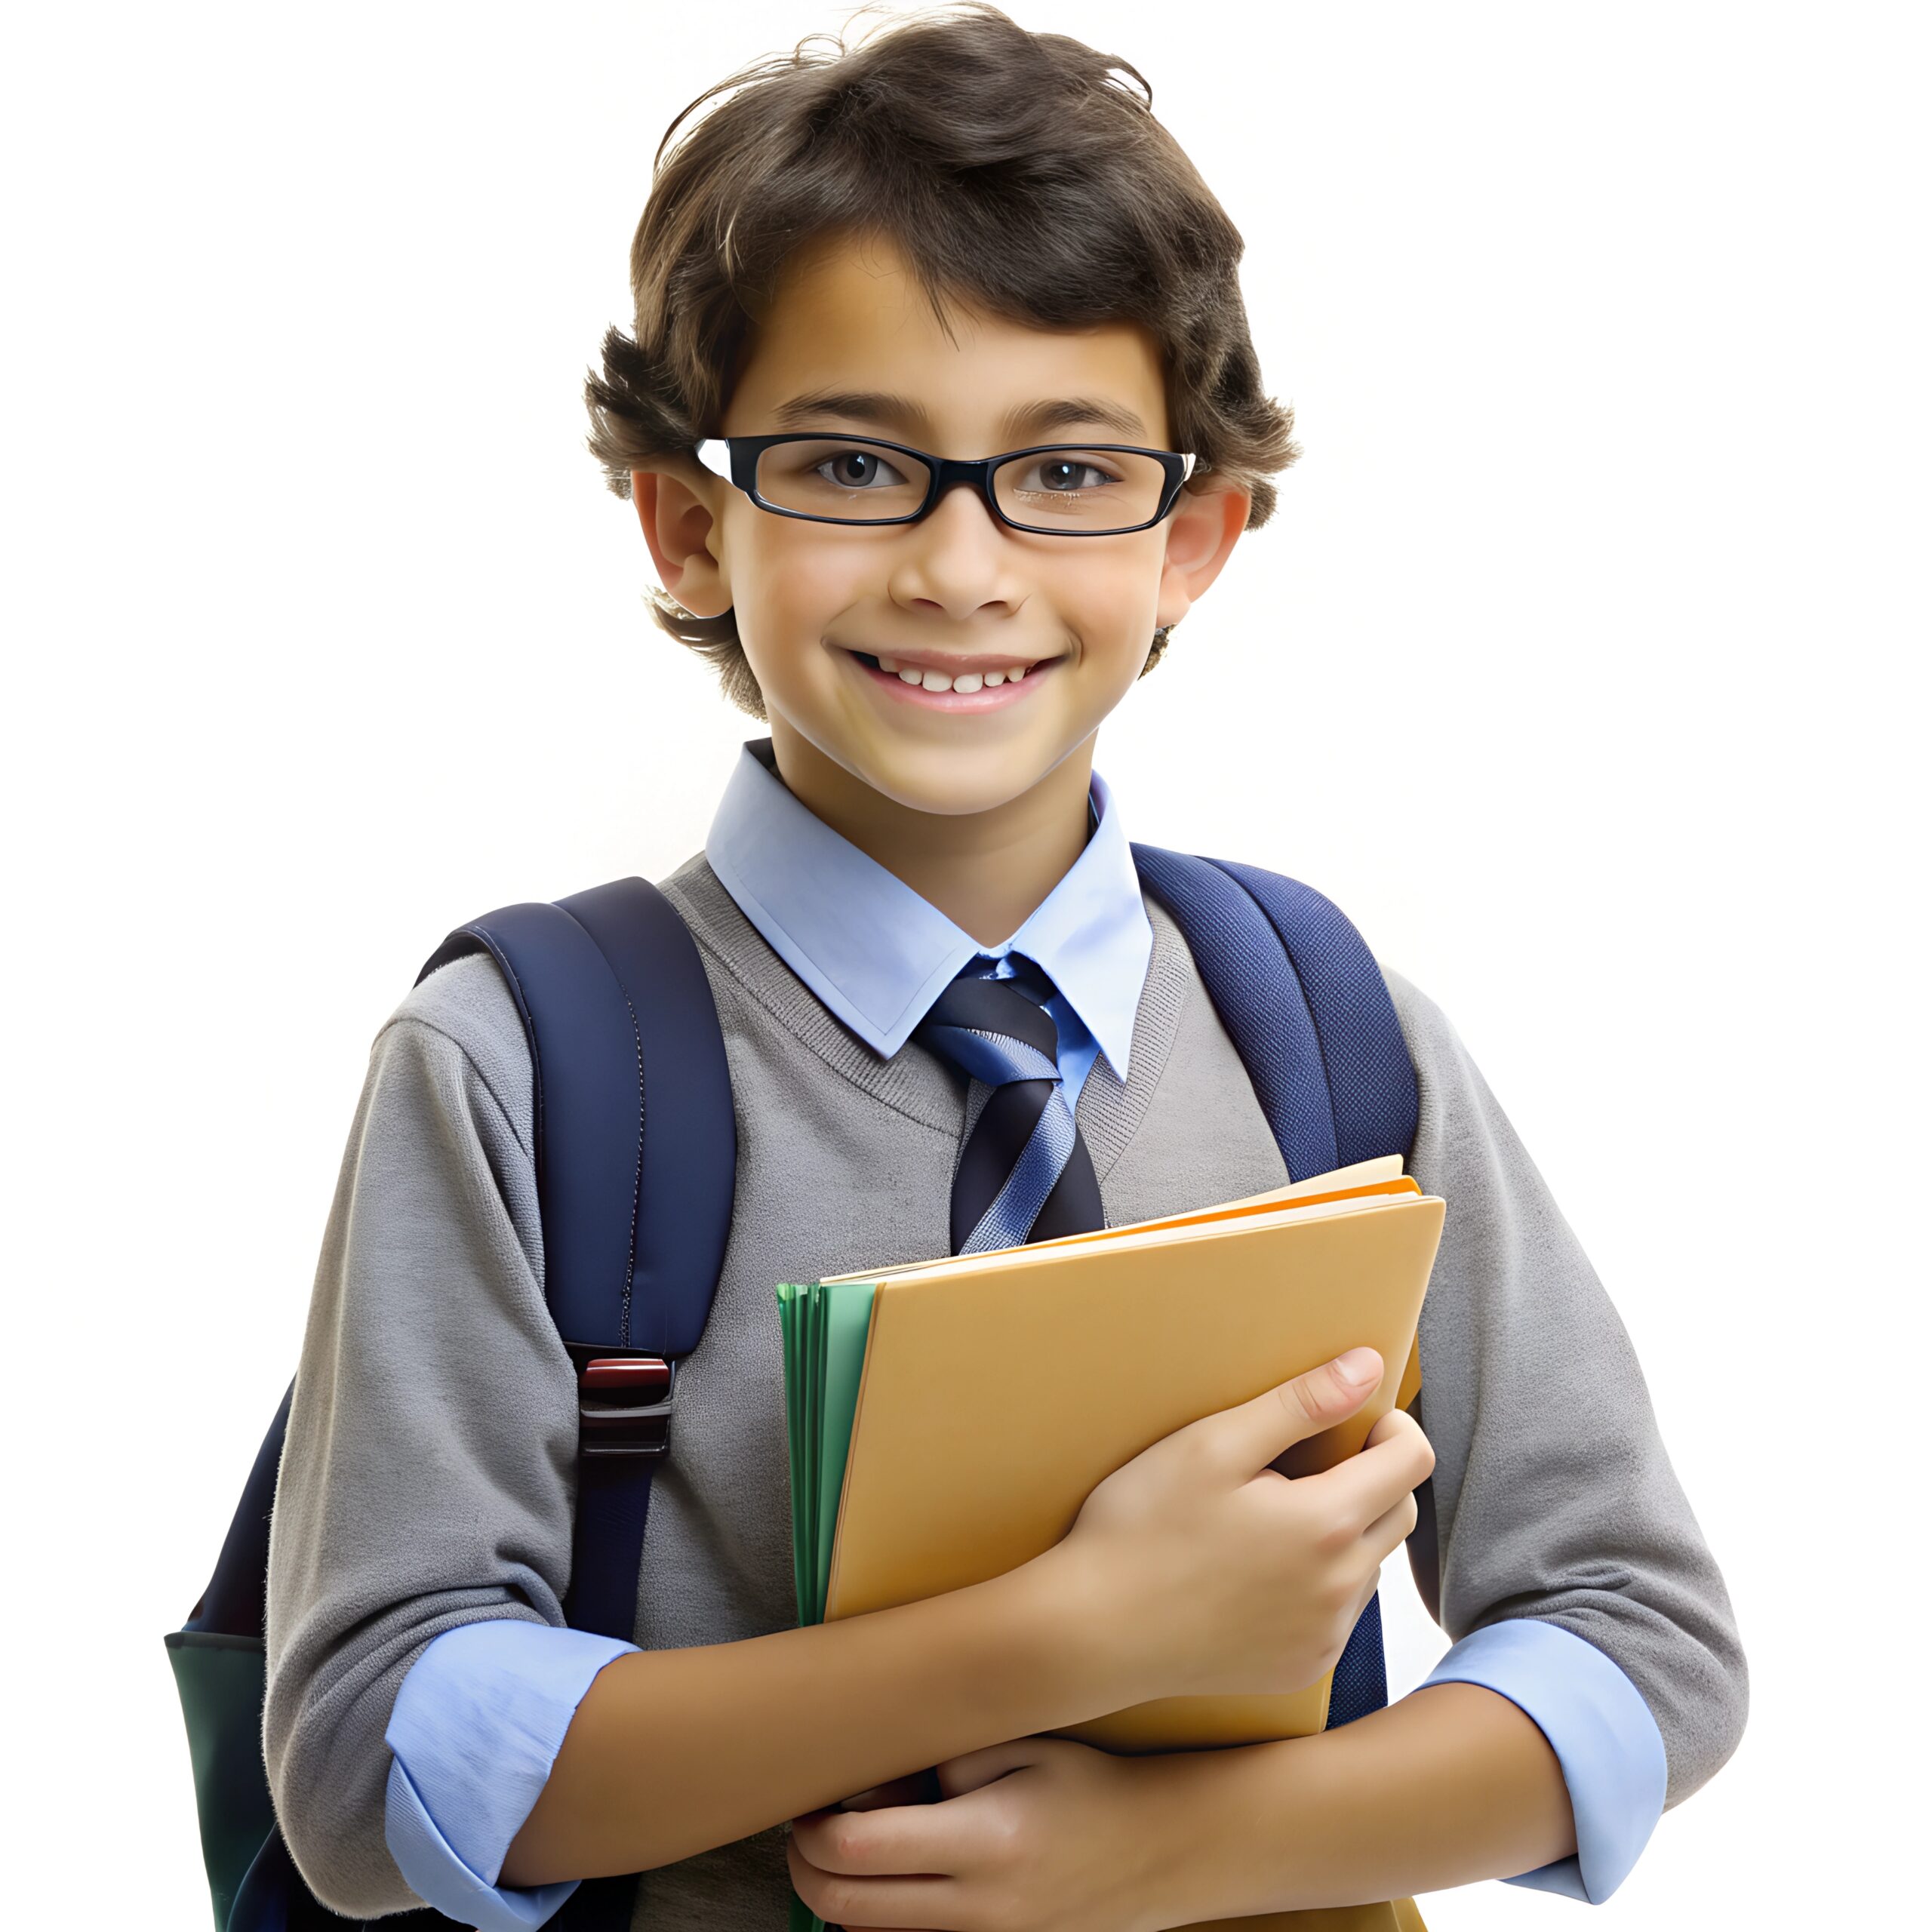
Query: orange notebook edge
[[1225, 1211]]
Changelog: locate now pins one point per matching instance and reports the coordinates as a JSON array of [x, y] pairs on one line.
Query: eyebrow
[[904, 415]]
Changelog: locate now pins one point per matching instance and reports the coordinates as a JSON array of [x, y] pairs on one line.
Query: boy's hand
[[1037, 1835], [1226, 1576]]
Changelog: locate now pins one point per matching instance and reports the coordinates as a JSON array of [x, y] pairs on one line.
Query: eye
[[1063, 475], [859, 469]]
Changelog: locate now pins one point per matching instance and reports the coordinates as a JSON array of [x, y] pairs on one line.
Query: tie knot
[[997, 1030], [1029, 978]]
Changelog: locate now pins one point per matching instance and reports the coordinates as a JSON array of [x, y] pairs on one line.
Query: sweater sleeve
[[428, 1477], [1552, 1496]]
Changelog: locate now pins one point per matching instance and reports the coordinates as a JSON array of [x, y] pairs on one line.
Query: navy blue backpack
[[636, 1159]]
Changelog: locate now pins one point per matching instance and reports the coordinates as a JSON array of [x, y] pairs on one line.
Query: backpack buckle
[[624, 1406]]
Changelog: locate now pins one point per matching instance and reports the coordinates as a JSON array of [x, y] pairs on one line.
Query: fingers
[[866, 1842], [1391, 1530], [1254, 1433], [1393, 1423], [1398, 1459], [900, 1840], [840, 1896]]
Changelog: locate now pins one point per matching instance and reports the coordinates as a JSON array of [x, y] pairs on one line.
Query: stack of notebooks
[[947, 1419]]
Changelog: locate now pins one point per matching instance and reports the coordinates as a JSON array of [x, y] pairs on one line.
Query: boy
[[965, 240]]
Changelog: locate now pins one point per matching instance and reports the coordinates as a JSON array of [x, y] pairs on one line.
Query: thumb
[[1290, 1412]]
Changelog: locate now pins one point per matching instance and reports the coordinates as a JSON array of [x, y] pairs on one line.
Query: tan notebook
[[999, 1389]]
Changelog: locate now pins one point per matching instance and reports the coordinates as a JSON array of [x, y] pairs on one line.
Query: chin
[[953, 786]]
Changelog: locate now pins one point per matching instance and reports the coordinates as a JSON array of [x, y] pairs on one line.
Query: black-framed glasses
[[1056, 489]]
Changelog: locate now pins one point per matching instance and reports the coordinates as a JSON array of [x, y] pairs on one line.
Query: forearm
[[673, 1751], [1453, 1784]]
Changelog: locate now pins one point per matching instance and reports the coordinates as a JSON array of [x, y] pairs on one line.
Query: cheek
[[1109, 599], [799, 585]]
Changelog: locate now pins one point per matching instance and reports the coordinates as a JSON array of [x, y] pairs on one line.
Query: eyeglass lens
[[846, 480]]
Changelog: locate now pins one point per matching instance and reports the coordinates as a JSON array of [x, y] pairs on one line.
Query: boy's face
[[958, 592]]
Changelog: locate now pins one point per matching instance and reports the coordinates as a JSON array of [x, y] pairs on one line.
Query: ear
[[1201, 535], [677, 507]]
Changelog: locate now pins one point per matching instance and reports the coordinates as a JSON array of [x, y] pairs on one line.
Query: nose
[[960, 558]]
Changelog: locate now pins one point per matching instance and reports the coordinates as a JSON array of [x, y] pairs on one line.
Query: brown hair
[[1011, 169]]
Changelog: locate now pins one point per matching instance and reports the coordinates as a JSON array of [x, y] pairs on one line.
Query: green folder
[[824, 1325]]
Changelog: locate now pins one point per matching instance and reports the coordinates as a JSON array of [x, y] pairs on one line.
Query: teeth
[[940, 681]]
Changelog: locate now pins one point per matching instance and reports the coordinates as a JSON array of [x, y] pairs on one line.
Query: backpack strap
[[1371, 1080], [1309, 1012], [636, 1162], [1304, 1002], [617, 1009], [636, 1166]]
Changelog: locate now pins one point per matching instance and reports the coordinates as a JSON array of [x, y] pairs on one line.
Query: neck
[[986, 871]]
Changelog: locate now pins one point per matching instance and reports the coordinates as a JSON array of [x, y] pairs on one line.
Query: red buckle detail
[[649, 1375], [619, 1410]]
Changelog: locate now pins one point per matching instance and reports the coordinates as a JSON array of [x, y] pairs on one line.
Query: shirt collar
[[878, 955]]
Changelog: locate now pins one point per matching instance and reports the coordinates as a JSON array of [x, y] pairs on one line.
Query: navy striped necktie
[[1025, 1173]]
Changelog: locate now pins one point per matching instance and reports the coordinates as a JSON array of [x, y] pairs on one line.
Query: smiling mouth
[[928, 680]]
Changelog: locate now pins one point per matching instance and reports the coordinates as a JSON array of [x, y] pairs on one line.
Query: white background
[[1581, 665]]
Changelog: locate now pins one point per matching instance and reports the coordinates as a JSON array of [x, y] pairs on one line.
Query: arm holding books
[[1238, 1578], [1453, 1784]]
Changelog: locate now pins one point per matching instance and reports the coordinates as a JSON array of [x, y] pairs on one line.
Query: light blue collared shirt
[[482, 1713], [878, 955]]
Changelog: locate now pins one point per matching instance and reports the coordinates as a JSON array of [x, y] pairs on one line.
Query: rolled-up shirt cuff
[[1601, 1729], [476, 1727]]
